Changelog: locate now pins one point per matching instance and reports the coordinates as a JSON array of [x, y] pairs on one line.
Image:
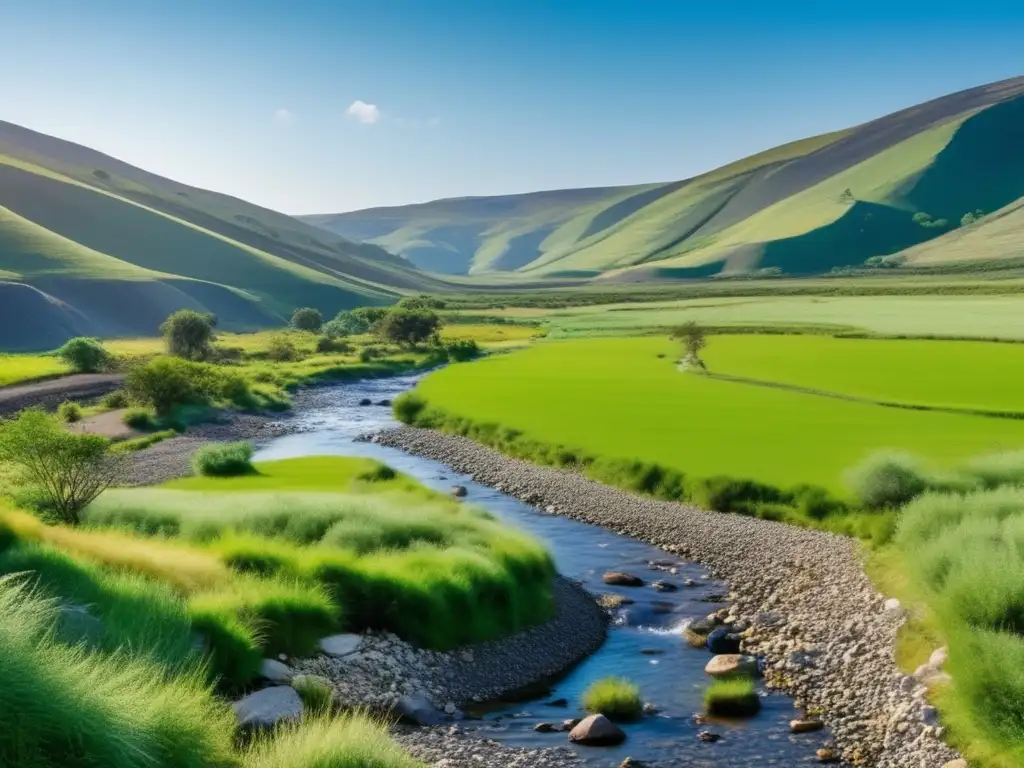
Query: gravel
[[826, 635]]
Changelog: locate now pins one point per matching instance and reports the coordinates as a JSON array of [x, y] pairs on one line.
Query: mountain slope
[[97, 246], [997, 237], [802, 208]]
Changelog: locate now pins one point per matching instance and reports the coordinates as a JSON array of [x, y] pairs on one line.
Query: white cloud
[[368, 114], [284, 116]]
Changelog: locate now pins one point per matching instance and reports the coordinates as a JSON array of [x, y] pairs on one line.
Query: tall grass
[[224, 460], [351, 741], [614, 697], [967, 553], [60, 705]]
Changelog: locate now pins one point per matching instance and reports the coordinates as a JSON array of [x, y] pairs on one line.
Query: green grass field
[[15, 369], [950, 374], [617, 398]]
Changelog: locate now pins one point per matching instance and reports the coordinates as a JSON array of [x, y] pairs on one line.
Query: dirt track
[[51, 393]]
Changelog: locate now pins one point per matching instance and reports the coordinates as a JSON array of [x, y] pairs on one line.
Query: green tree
[[85, 355], [362, 320], [68, 470], [409, 327], [421, 302], [307, 319], [189, 334], [693, 337], [166, 382]]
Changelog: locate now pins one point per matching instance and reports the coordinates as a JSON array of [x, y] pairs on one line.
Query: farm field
[[15, 369], [623, 398], [999, 316], [942, 374]]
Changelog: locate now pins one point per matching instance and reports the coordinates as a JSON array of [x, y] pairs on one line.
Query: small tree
[[166, 382], [693, 337], [307, 319], [421, 302], [362, 320], [85, 355], [409, 327], [69, 470], [335, 329], [189, 334]]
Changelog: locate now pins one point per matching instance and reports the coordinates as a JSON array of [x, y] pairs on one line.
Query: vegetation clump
[[736, 697], [85, 355], [189, 334], [409, 327], [307, 319], [224, 459], [614, 697], [69, 412]]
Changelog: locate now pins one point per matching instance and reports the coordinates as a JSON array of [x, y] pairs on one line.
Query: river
[[644, 643]]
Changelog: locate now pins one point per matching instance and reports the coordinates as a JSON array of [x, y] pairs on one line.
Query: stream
[[644, 642]]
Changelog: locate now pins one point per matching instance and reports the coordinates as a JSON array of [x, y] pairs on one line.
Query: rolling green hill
[[92, 245], [803, 208]]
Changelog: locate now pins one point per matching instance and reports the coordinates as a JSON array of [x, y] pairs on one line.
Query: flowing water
[[644, 642]]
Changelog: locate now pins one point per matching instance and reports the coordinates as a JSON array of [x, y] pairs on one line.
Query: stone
[[664, 586], [652, 651], [366, 401], [561, 703], [341, 645], [708, 736], [568, 725], [384, 402], [610, 601], [545, 728], [827, 755], [267, 708], [650, 708], [805, 725], [729, 664], [276, 672], [939, 658], [622, 579], [597, 731], [696, 632], [723, 640], [450, 708], [76, 626], [629, 762], [417, 709], [460, 491], [689, 583]]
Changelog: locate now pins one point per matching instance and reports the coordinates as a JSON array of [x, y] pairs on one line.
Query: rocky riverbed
[[826, 635]]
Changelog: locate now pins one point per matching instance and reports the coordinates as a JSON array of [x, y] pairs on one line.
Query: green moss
[[614, 697]]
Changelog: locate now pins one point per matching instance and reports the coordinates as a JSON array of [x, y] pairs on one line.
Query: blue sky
[[456, 98]]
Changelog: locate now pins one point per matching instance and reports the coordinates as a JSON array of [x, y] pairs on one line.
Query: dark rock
[[558, 703], [459, 491], [545, 728], [268, 708], [568, 725], [366, 401], [384, 403], [629, 762], [708, 736], [805, 726], [827, 755], [652, 651], [622, 579], [697, 631], [418, 710], [662, 607], [723, 640], [597, 731], [715, 598], [664, 586], [650, 708]]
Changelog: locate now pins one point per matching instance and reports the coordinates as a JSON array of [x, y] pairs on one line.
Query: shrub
[[85, 355], [351, 741], [409, 327], [189, 334], [461, 350], [732, 698], [167, 382], [614, 697], [335, 329], [224, 459], [68, 470], [307, 319], [139, 418], [281, 349], [730, 494], [64, 706], [327, 344], [115, 400], [362, 320], [421, 302], [887, 480], [69, 412], [408, 406], [998, 469], [380, 473], [316, 694], [144, 442], [369, 354]]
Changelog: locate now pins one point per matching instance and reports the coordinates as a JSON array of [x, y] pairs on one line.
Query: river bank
[[827, 635]]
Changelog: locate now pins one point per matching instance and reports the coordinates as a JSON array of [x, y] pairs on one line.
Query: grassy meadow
[[16, 369], [623, 398]]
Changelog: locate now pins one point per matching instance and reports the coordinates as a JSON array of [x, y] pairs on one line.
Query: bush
[[362, 320], [380, 473], [335, 329], [461, 350], [144, 442], [69, 412], [732, 698], [730, 494], [351, 741], [85, 355], [316, 694], [167, 382], [281, 349], [66, 707], [614, 697], [139, 418], [887, 480], [327, 344], [68, 470], [408, 406], [224, 460], [421, 302], [189, 334], [115, 400], [369, 354], [409, 327], [307, 319]]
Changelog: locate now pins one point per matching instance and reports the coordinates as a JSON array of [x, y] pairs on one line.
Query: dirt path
[[51, 393], [109, 424]]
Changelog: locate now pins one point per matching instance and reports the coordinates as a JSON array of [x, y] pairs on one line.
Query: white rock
[[341, 645], [276, 672]]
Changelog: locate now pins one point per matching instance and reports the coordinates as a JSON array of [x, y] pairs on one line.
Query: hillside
[[802, 208], [998, 237], [93, 245]]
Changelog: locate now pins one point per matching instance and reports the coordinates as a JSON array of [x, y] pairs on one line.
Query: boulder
[[267, 708], [664, 586], [807, 725], [730, 664], [276, 672], [561, 703], [366, 401], [622, 579], [629, 762], [384, 402], [828, 755], [340, 645], [597, 731], [696, 632], [459, 491], [708, 736], [545, 728], [723, 640], [418, 710]]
